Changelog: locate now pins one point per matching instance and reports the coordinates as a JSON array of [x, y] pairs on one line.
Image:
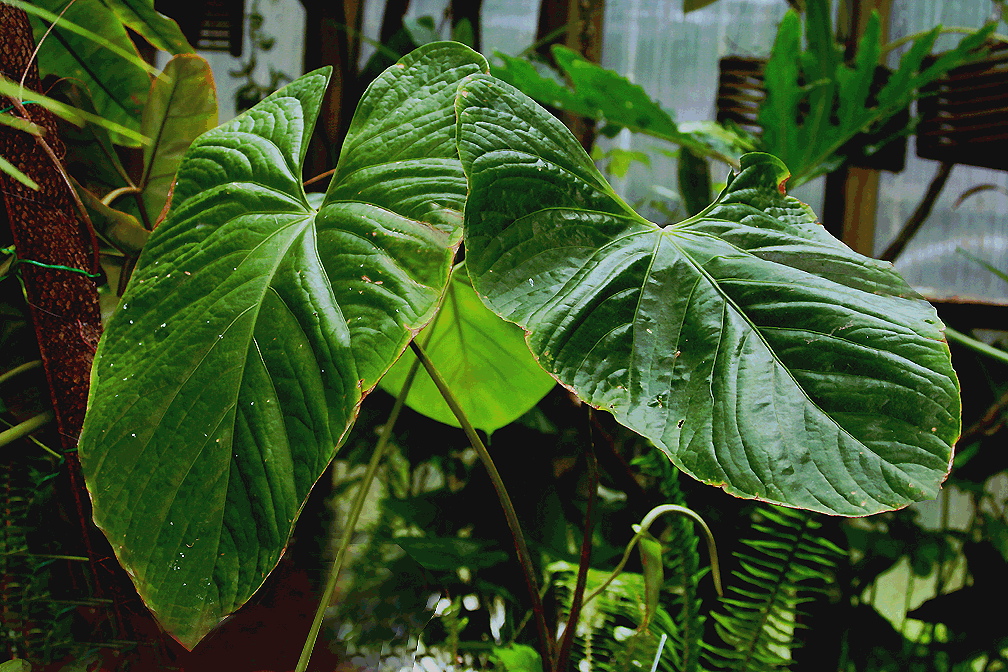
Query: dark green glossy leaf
[[119, 228], [253, 325], [181, 106], [118, 87], [758, 352], [483, 358], [90, 155], [694, 181], [450, 553]]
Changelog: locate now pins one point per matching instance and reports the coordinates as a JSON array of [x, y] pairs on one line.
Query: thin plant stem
[[25, 428], [976, 346], [946, 30], [920, 215], [355, 510], [546, 39], [546, 642], [95, 265], [319, 177], [17, 370], [48, 556], [38, 443], [39, 45], [644, 525], [563, 655], [113, 195]]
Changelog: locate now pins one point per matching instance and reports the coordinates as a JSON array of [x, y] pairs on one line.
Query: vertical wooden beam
[[860, 206], [392, 19], [326, 44], [585, 36], [471, 10], [861, 184]]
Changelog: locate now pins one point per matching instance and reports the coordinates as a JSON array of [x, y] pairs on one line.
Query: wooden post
[[585, 18], [861, 185], [326, 43]]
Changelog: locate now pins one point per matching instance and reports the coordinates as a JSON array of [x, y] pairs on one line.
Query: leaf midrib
[[729, 302], [308, 221]]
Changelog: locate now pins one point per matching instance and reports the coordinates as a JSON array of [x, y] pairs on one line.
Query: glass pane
[[674, 57], [979, 225]]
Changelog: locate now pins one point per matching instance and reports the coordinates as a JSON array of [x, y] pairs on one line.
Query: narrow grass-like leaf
[[109, 66], [75, 116], [156, 28], [20, 124], [12, 170], [37, 9]]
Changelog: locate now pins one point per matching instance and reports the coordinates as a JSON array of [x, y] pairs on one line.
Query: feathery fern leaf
[[608, 637], [682, 563], [787, 564]]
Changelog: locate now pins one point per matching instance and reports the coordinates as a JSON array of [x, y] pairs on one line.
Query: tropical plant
[[255, 323], [816, 103], [743, 345]]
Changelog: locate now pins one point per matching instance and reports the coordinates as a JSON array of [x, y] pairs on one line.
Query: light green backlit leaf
[[181, 106], [483, 358], [156, 28]]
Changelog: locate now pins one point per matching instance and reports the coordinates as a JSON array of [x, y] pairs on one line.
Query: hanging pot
[[964, 115]]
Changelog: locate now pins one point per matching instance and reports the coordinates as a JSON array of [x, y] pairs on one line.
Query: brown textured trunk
[[63, 303]]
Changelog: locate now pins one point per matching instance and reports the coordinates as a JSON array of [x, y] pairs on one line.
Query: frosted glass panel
[[980, 225], [674, 57], [508, 25]]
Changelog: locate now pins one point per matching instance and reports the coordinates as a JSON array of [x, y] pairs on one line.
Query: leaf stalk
[[355, 511], [642, 530], [25, 428], [546, 642]]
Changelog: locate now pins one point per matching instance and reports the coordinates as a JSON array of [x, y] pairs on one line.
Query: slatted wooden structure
[[212, 25], [741, 91], [964, 115]]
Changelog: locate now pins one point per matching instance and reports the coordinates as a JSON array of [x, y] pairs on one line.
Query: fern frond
[[682, 567], [608, 637], [784, 567]]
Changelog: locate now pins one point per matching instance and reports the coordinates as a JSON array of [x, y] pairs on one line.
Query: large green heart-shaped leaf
[[253, 325], [758, 352], [484, 361]]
